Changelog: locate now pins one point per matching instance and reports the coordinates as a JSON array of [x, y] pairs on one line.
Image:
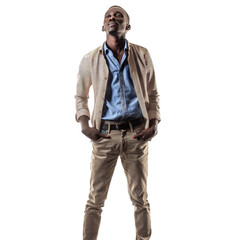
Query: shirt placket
[[121, 82], [122, 91], [122, 86]]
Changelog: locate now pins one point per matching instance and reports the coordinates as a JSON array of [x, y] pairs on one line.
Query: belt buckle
[[117, 126]]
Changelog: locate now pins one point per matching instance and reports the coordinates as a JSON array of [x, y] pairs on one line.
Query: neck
[[115, 43]]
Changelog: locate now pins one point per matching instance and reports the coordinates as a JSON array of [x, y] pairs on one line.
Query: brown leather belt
[[125, 125]]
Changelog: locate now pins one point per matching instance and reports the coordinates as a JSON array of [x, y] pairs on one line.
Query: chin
[[113, 32]]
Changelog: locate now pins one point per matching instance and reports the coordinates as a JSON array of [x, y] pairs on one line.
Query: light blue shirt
[[121, 102]]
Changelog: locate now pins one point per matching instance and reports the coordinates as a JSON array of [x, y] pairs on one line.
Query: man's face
[[115, 21]]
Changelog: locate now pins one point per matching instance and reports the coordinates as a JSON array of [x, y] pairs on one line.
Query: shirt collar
[[106, 49]]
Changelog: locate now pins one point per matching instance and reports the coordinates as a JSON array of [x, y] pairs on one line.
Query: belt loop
[[130, 125], [109, 128]]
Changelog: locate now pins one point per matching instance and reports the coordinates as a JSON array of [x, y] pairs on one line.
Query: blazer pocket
[[97, 141]]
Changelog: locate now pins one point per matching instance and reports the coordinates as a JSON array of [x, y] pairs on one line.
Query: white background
[[194, 160]]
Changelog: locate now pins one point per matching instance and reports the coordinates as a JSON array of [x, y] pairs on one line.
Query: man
[[124, 119]]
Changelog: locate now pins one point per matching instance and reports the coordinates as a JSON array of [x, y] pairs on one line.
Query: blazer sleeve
[[84, 83], [154, 108]]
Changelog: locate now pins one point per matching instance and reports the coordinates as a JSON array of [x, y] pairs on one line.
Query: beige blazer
[[93, 70]]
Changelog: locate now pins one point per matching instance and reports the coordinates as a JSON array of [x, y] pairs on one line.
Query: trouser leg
[[135, 163], [102, 168]]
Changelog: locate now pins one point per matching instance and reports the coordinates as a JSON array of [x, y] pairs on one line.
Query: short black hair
[[123, 10]]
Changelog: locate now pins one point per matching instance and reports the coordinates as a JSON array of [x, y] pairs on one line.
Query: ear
[[128, 27], [103, 29]]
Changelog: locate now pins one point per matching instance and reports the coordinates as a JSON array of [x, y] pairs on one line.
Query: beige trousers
[[134, 158]]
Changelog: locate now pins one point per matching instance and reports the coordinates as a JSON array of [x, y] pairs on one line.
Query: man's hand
[[149, 132], [93, 133], [146, 133], [90, 132]]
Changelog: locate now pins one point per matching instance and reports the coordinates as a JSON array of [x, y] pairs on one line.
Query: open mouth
[[112, 24]]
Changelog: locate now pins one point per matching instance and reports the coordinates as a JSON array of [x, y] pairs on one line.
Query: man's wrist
[[153, 123], [85, 129], [84, 123]]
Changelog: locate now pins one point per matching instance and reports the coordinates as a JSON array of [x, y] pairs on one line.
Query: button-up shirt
[[94, 71], [121, 101]]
